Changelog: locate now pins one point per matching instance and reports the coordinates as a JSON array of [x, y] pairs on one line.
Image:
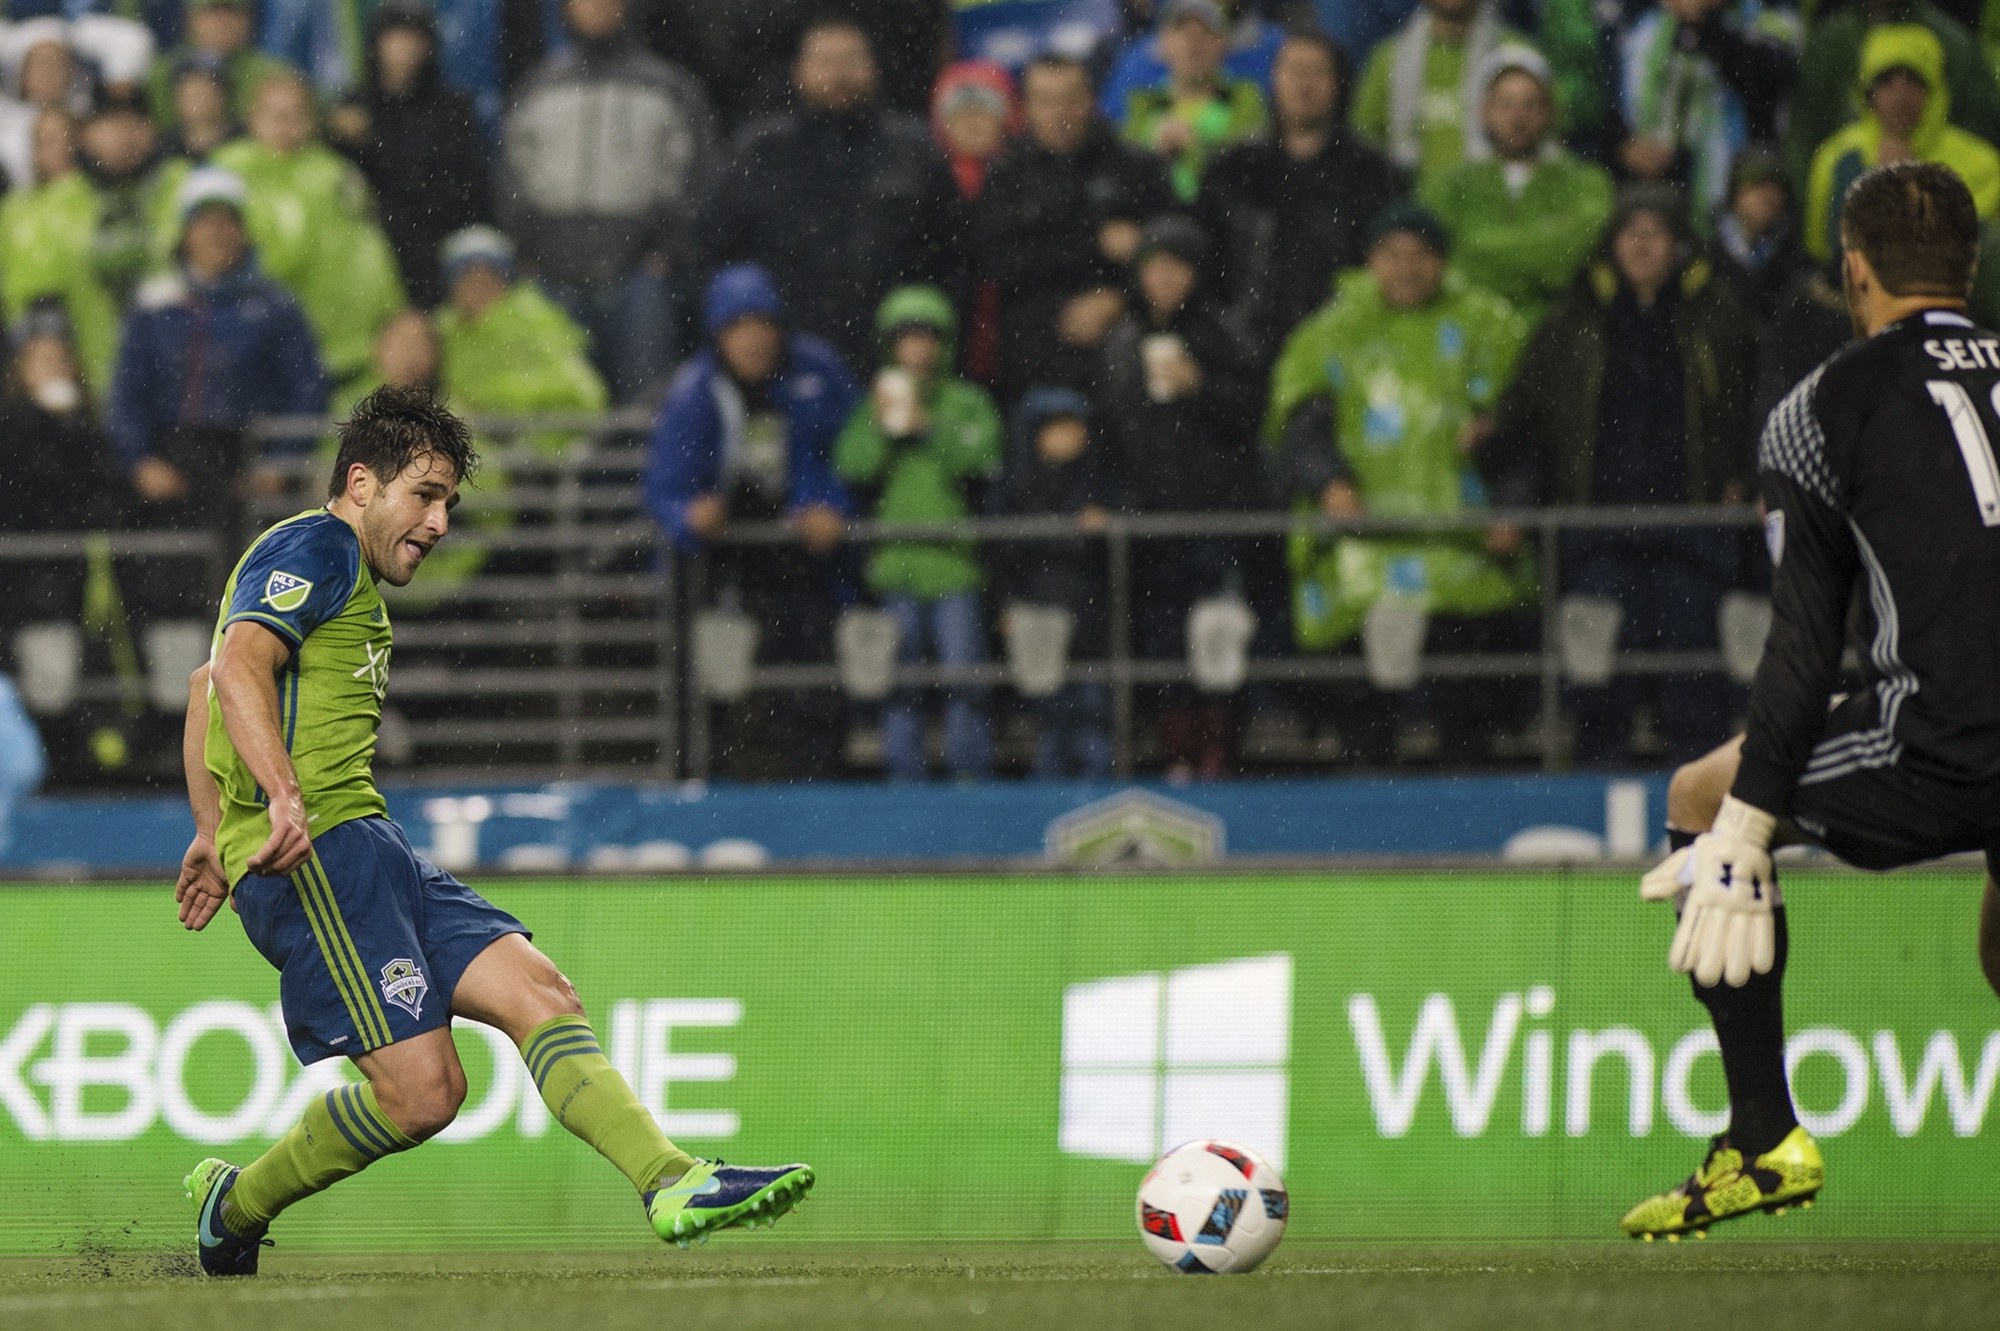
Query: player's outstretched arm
[[245, 679], [202, 888]]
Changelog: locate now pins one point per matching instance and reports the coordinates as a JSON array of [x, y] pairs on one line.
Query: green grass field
[[745, 1284]]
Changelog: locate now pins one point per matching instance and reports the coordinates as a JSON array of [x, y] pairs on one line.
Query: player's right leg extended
[[510, 985]]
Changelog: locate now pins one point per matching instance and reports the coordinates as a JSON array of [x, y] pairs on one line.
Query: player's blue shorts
[[369, 938]]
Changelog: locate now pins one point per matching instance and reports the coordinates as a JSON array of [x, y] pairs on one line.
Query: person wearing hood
[[1525, 219], [508, 349], [1905, 110], [1420, 94], [417, 142], [747, 434], [1181, 385], [842, 200], [1058, 223], [221, 36], [973, 113], [205, 350], [48, 240], [1822, 99], [1291, 208], [607, 148], [1381, 403], [1638, 390], [1057, 466], [312, 218], [920, 448]]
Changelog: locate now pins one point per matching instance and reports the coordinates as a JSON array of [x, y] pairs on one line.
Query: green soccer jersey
[[305, 581]]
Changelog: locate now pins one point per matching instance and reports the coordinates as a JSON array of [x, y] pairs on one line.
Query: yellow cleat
[[1788, 1174]]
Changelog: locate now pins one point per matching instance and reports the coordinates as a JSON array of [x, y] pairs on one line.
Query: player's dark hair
[[393, 427], [1916, 225]]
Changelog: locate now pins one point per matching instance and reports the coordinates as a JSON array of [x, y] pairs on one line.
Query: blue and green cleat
[[713, 1196], [223, 1252]]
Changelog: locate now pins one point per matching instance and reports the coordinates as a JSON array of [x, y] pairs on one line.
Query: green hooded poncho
[[924, 478], [1859, 146], [311, 218], [47, 248], [1404, 384], [522, 356]]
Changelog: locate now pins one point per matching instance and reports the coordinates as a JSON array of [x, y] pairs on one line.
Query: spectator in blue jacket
[[205, 349], [747, 434]]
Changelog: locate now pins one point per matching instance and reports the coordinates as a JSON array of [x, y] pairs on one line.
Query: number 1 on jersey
[[1973, 443]]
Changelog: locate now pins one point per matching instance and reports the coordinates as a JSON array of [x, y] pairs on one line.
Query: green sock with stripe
[[343, 1132], [588, 1096]]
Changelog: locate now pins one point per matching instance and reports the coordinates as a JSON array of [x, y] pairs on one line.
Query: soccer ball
[[1212, 1206]]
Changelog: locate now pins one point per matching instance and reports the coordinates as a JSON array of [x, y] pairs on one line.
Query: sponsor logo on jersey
[[403, 984], [286, 592]]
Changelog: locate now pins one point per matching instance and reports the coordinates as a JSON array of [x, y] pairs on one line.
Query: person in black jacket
[[418, 143], [839, 201], [1291, 208], [1058, 224], [1182, 388], [61, 472], [1057, 464]]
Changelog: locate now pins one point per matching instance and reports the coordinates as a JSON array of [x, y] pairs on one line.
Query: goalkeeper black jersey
[[1880, 469]]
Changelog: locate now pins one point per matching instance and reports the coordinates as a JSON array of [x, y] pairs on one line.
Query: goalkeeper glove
[[1727, 929]]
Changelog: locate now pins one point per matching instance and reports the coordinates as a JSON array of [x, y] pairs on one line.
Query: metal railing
[[564, 655]]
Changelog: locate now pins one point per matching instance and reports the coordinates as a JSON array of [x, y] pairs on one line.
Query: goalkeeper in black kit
[[1881, 486]]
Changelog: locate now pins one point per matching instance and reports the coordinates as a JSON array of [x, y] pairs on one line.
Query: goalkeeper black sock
[[1750, 1027]]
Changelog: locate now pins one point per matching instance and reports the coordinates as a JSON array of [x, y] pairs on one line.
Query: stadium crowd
[[1192, 256]]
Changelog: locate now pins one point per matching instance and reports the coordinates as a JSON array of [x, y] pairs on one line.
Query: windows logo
[[1152, 1060]]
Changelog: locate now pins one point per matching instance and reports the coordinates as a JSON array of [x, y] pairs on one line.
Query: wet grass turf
[[1758, 1287]]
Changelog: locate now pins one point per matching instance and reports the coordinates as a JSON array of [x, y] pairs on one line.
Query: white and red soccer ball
[[1212, 1207]]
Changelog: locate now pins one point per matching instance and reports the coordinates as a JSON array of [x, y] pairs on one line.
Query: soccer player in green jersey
[[377, 948]]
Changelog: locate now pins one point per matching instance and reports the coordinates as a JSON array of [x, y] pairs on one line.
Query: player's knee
[[425, 1106], [561, 995]]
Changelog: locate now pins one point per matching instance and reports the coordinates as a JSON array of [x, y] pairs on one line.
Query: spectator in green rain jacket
[[47, 248], [311, 216], [1378, 405], [1522, 222], [508, 349], [922, 443]]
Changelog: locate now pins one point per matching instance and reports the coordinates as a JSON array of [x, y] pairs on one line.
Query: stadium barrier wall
[[605, 826], [1475, 1055]]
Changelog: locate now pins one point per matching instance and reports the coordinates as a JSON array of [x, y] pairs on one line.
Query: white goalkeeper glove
[[1727, 929]]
